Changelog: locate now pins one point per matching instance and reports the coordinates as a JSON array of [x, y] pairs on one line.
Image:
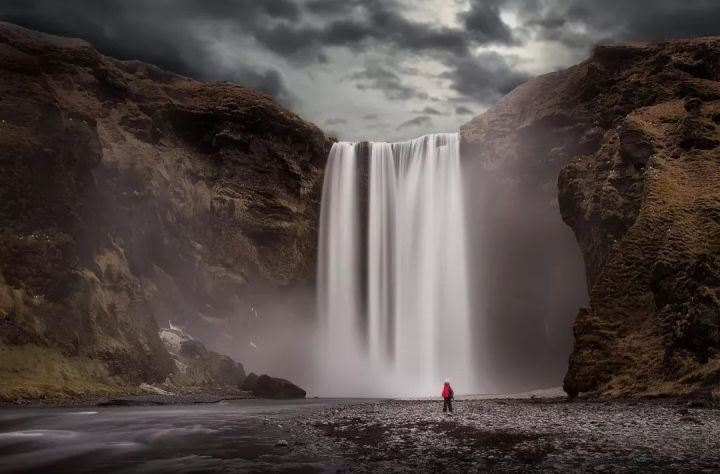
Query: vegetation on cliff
[[129, 195], [632, 136]]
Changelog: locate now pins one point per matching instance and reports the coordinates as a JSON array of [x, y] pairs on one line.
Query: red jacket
[[447, 391]]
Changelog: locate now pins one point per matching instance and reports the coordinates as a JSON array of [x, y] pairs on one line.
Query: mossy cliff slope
[[130, 195], [631, 135]]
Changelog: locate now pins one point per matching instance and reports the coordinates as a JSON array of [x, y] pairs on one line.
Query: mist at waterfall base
[[524, 283], [429, 267]]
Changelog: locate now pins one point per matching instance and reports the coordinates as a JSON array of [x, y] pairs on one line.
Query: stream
[[231, 436]]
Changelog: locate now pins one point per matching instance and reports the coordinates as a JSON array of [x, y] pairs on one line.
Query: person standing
[[448, 395]]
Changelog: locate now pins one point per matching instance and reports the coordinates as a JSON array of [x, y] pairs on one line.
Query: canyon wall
[[131, 196], [128, 196], [631, 138]]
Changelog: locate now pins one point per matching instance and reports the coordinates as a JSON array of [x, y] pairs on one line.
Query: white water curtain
[[392, 281]]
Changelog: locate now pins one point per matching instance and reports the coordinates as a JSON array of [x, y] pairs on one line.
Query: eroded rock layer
[[129, 194], [631, 136]]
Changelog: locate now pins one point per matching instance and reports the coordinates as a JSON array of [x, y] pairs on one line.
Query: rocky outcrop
[[274, 387], [130, 195], [249, 382], [198, 369], [631, 135], [264, 386]]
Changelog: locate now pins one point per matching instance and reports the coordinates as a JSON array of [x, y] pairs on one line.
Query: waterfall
[[392, 277]]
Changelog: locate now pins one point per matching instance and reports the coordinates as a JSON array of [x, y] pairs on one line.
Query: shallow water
[[233, 436]]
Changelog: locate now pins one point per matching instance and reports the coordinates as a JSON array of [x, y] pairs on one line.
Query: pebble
[[515, 436]]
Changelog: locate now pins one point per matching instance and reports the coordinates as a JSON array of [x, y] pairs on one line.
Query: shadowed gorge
[[133, 198], [470, 264], [630, 136]]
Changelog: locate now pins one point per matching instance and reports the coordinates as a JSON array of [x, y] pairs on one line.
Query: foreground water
[[494, 435], [235, 436]]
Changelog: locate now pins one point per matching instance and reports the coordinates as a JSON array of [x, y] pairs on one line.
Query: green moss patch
[[30, 371]]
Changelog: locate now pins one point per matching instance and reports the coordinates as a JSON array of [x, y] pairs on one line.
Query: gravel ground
[[514, 436]]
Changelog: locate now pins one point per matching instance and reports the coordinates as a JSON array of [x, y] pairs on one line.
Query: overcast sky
[[367, 69]]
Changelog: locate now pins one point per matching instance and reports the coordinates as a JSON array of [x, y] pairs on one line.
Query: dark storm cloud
[[382, 79], [649, 20], [483, 22], [159, 33], [252, 41], [363, 24], [430, 111], [484, 77], [577, 25], [462, 110], [325, 7], [169, 33], [420, 121], [618, 20], [370, 117], [345, 7], [382, 21], [276, 8]]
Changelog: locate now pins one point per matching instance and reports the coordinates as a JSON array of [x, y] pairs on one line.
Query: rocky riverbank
[[516, 436], [315, 435]]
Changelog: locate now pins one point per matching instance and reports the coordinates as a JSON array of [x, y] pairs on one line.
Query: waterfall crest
[[392, 279]]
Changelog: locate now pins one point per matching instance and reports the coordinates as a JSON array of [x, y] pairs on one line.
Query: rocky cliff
[[631, 138], [130, 195]]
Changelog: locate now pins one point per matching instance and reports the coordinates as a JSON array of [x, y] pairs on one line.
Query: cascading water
[[392, 276]]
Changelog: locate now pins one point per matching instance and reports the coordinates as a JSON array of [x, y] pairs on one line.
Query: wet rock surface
[[365, 436], [515, 436], [623, 146], [274, 387], [128, 196]]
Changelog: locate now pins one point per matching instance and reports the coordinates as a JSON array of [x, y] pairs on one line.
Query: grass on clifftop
[[30, 371]]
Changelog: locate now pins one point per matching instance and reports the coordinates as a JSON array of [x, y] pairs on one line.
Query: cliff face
[[129, 194], [631, 137]]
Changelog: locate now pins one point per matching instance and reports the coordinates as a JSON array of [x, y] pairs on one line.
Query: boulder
[[273, 387], [200, 368], [249, 383], [192, 349]]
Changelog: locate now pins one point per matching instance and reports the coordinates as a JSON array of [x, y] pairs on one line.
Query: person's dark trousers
[[447, 404]]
